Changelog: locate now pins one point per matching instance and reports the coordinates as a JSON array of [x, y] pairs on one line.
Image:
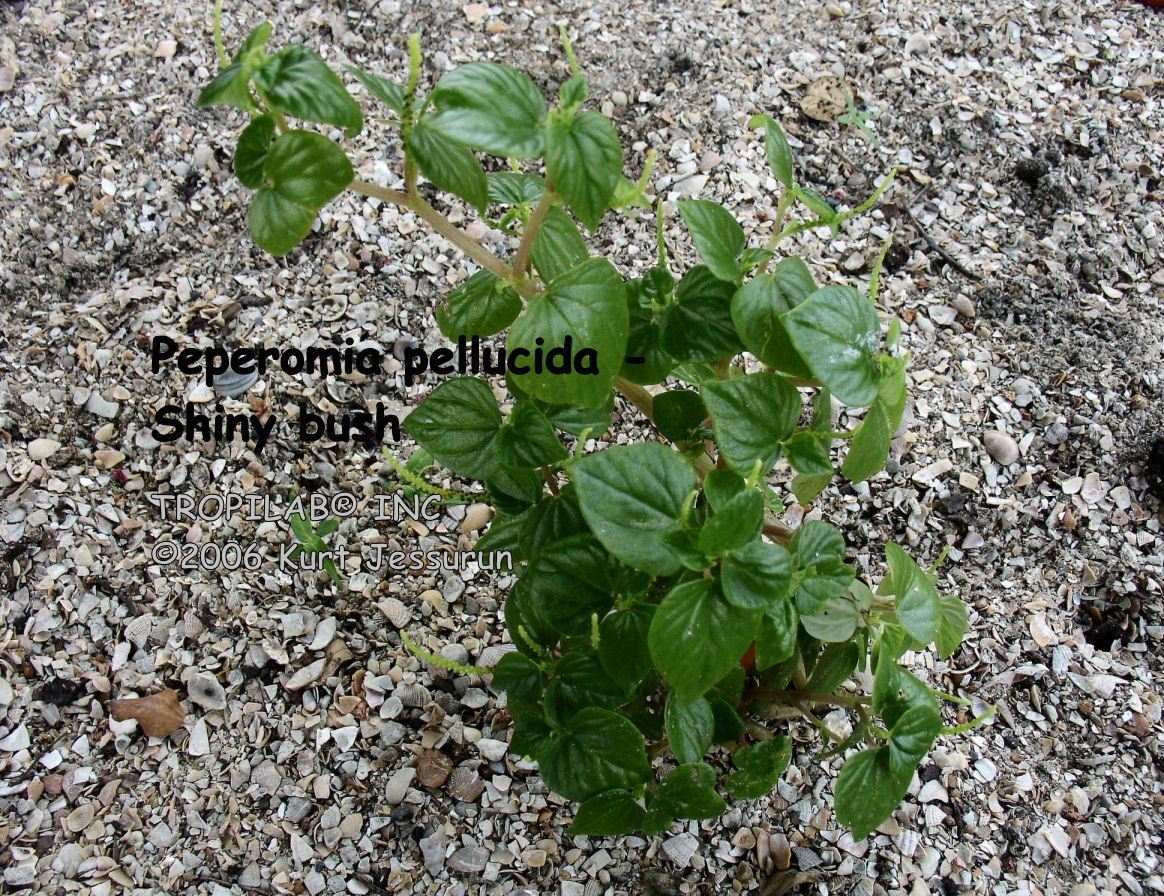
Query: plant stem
[[550, 480], [521, 261], [439, 223], [792, 698], [778, 533]]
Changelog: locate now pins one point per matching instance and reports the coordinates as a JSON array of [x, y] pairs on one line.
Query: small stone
[[492, 750], [476, 516], [1001, 447], [744, 838], [465, 785], [266, 777], [99, 406], [474, 12], [942, 315], [1041, 630], [351, 826], [309, 674], [80, 818], [397, 787], [297, 809], [964, 306], [206, 692], [199, 743], [780, 851], [1056, 434], [917, 45], [469, 859], [16, 740], [933, 792], [432, 768], [345, 738], [19, 876], [165, 49], [854, 263], [534, 858], [42, 449], [432, 851]]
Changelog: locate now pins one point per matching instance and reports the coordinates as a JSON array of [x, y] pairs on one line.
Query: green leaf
[[678, 414], [302, 170], [481, 306], [622, 643], [571, 580], [895, 691], [299, 83], [527, 440], [776, 641], [834, 667], [806, 488], [733, 527], [728, 724], [697, 637], [514, 188], [573, 93], [835, 330], [580, 681], [512, 490], [870, 447], [520, 678], [757, 575], [492, 108], [807, 454], [253, 144], [779, 153], [456, 423], [607, 815], [835, 620], [828, 582], [718, 236], [531, 736], [951, 626], [698, 326], [794, 279], [688, 791], [577, 420], [558, 245], [817, 203], [230, 87], [916, 601], [598, 751], [756, 309], [390, 94], [816, 541], [632, 496], [584, 160], [720, 486], [586, 304], [868, 791], [551, 520], [752, 415], [912, 736], [689, 727], [449, 165], [759, 768]]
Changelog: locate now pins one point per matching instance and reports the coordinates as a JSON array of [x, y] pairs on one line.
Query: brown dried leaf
[[824, 99], [159, 714]]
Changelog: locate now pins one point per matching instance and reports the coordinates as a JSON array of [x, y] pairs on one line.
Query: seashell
[[414, 695], [492, 654], [206, 691], [324, 632], [309, 674], [397, 613], [137, 632]]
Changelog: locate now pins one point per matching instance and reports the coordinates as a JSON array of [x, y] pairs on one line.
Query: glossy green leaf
[[580, 681], [835, 620], [806, 453], [572, 580], [527, 440], [230, 87], [688, 791], [390, 94], [490, 107], [870, 446], [578, 420], [449, 165], [697, 637], [632, 496], [720, 486], [776, 144], [868, 790], [836, 332], [834, 666], [253, 145], [573, 93], [752, 414], [481, 306], [531, 736], [776, 641], [622, 643], [916, 601], [586, 304], [598, 751], [756, 310], [299, 83], [689, 727], [607, 815], [456, 423], [558, 245], [514, 188], [718, 236], [698, 326], [583, 160], [678, 413], [733, 527], [520, 678], [952, 625], [912, 736], [758, 768], [794, 279]]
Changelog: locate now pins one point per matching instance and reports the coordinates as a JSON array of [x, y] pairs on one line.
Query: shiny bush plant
[[659, 609]]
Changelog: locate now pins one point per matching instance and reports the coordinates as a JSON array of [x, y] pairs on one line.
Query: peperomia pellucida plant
[[659, 605]]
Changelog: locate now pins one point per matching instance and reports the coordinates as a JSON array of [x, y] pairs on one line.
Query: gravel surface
[[316, 753]]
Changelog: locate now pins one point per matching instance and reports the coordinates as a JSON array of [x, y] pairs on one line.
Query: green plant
[[313, 541], [659, 604]]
